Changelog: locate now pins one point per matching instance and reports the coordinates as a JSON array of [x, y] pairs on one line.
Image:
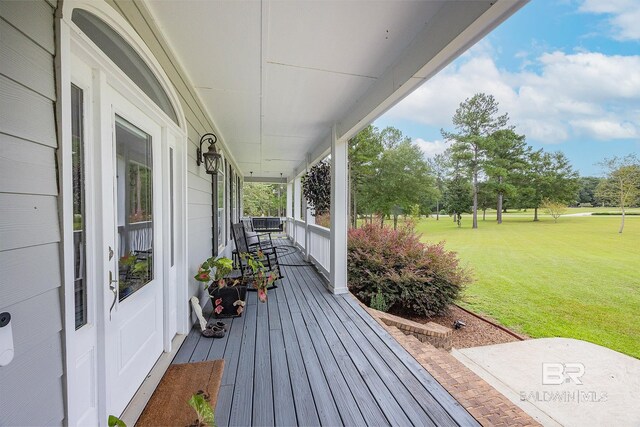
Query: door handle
[[113, 288]]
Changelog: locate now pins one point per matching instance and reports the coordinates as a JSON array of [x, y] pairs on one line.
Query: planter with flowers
[[227, 293]]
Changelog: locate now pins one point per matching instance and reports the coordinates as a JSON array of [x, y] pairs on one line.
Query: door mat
[[169, 405]]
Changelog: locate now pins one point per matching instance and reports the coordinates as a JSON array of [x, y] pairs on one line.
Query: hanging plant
[[316, 188]]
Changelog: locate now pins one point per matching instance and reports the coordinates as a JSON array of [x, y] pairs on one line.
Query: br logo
[[560, 373]]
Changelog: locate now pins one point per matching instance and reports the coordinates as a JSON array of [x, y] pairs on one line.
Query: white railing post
[[296, 205], [288, 210], [339, 214]]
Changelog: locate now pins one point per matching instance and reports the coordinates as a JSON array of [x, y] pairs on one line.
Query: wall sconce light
[[211, 158]]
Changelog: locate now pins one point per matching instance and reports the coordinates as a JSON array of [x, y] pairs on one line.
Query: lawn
[[577, 278]]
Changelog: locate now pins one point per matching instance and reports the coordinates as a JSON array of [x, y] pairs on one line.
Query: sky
[[566, 71]]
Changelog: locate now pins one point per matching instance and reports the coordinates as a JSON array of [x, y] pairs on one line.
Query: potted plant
[[262, 278], [227, 294]]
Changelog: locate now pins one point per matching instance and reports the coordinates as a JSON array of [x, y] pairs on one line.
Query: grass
[[577, 278]]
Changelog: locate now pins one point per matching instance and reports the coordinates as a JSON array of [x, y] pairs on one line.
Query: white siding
[[29, 229]]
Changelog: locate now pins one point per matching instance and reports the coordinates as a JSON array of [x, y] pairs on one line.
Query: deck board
[[307, 357], [282, 390]]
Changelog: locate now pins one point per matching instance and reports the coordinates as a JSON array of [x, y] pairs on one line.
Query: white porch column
[[288, 209], [296, 207], [297, 194], [339, 213], [307, 241]]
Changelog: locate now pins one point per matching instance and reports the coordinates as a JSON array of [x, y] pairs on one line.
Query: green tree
[[458, 197], [402, 179], [507, 154], [622, 183], [262, 199], [486, 198], [392, 137], [587, 190], [439, 166], [549, 176], [555, 209], [475, 120], [365, 150]]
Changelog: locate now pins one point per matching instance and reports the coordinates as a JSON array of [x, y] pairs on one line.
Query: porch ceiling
[[276, 75]]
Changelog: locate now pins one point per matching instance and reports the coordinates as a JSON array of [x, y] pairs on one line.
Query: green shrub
[[412, 277], [379, 302]]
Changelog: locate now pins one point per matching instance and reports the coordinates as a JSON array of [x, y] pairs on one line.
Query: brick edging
[[486, 404], [437, 335]]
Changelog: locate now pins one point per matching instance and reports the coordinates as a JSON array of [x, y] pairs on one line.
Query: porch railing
[[320, 247], [299, 233], [319, 239]]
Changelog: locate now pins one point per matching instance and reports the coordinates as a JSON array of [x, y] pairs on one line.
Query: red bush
[[414, 277]]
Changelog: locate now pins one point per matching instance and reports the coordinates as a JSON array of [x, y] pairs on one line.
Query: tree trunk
[[355, 210], [622, 208], [475, 193], [382, 221], [535, 214], [438, 210], [454, 217], [499, 207], [484, 214], [395, 222], [459, 220]]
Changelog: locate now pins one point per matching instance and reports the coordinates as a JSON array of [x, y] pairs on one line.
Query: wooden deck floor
[[307, 357]]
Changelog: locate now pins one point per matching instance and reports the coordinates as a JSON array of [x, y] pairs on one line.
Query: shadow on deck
[[308, 357]]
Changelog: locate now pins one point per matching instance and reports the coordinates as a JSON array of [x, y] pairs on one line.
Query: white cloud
[[606, 129], [583, 94], [431, 148], [624, 16]]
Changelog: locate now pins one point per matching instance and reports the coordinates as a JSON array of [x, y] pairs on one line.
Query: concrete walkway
[[562, 381]]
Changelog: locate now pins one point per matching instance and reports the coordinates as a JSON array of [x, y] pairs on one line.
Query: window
[[239, 197], [220, 208], [228, 201], [232, 196], [134, 195], [125, 57], [171, 208], [79, 225]]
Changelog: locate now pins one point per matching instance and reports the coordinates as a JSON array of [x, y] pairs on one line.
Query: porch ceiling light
[[211, 158]]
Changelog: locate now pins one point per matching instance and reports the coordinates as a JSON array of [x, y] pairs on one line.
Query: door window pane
[[135, 207], [171, 208], [125, 57], [238, 197], [79, 227], [220, 213]]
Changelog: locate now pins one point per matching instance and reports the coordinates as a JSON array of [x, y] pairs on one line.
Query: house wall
[[199, 209], [30, 276]]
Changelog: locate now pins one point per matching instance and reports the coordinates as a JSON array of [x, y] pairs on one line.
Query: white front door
[[132, 198]]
